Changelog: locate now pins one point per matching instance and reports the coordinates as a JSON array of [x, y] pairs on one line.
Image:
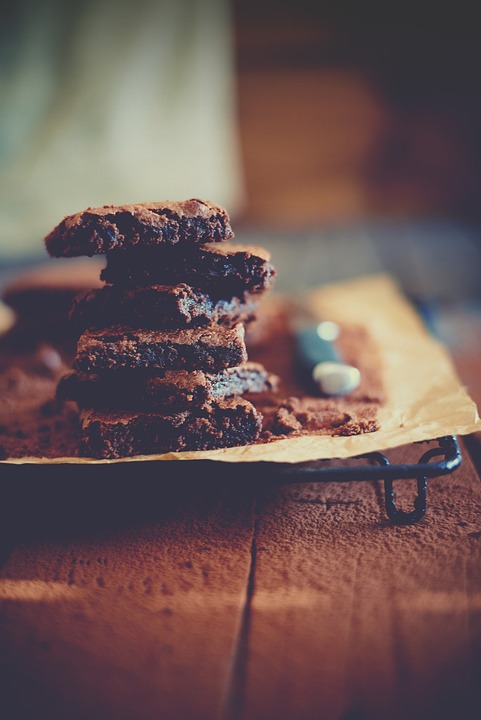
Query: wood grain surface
[[127, 603], [353, 618], [228, 597]]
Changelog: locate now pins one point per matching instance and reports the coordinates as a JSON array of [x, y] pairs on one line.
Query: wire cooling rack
[[442, 459]]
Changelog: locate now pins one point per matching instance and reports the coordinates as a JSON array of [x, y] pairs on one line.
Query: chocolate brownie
[[98, 230], [174, 390], [225, 423], [210, 349], [226, 269], [160, 307]]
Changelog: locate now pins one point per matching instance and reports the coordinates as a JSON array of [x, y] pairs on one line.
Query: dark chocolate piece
[[99, 230], [161, 307], [226, 423], [226, 269], [210, 349], [174, 390]]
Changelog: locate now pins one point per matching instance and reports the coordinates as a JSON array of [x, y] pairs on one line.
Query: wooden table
[[173, 591], [140, 595]]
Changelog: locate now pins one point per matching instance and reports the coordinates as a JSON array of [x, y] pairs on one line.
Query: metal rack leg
[[447, 447], [401, 517]]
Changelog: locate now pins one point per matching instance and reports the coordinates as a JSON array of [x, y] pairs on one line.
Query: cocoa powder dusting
[[290, 411], [34, 423]]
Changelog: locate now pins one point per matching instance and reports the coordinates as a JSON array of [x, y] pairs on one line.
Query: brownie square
[[99, 230], [211, 349], [224, 269], [174, 390], [106, 434], [161, 307]]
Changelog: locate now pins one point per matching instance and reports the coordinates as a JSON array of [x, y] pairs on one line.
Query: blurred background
[[112, 101], [292, 114], [354, 110], [342, 135]]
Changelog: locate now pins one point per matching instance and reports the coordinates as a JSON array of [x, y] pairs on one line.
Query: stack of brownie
[[161, 362]]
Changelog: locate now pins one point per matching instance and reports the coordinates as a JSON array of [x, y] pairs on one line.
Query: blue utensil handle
[[321, 363], [312, 349]]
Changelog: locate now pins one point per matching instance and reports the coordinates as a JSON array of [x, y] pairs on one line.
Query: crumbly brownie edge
[[99, 230], [183, 350], [224, 269], [226, 424], [173, 391], [247, 378], [136, 389], [159, 307]]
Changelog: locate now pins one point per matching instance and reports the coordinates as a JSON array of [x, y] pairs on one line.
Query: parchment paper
[[425, 398]]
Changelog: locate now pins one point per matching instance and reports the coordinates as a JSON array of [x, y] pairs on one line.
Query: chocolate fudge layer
[[99, 230], [160, 307], [291, 410], [173, 390], [225, 423], [210, 349], [225, 268]]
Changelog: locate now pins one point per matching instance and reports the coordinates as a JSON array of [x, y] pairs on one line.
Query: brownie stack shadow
[[161, 363]]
